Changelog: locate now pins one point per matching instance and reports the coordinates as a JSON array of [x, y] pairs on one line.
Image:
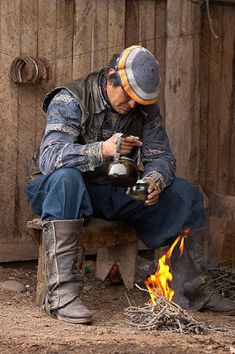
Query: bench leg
[[41, 286], [124, 256]]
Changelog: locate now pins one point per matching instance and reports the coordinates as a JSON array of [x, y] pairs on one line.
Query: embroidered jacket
[[79, 118]]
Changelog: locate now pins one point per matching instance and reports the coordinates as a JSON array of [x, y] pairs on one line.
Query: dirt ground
[[24, 328]]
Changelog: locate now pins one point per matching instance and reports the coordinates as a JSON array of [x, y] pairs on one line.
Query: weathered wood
[[227, 155], [222, 206], [47, 33], [99, 55], [226, 116], [10, 48], [18, 251], [223, 2], [27, 114], [99, 233], [217, 159], [147, 24], [182, 85], [214, 113], [132, 22], [41, 276], [217, 227], [204, 97], [160, 48], [82, 40], [116, 27], [64, 41], [123, 256], [228, 252], [68, 34]]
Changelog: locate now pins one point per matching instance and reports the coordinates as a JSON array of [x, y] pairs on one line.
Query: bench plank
[[124, 256], [99, 233]]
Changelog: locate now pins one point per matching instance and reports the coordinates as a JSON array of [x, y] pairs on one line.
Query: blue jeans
[[65, 194]]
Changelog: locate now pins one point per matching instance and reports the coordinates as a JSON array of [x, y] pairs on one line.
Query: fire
[[158, 283]]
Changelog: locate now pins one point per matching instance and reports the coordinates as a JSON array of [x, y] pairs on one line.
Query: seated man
[[85, 120]]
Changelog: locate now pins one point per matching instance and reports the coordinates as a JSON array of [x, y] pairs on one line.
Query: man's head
[[133, 78]]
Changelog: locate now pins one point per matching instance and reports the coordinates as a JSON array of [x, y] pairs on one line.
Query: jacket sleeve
[[58, 147], [158, 160]]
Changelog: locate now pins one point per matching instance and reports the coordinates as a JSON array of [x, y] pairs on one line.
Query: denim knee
[[69, 178], [67, 197]]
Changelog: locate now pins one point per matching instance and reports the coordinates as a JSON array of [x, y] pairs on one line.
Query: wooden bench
[[112, 241]]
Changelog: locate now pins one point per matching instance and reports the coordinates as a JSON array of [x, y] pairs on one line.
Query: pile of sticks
[[165, 315], [223, 280]]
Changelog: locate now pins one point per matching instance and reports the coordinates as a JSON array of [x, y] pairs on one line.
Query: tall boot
[[203, 296], [197, 288], [63, 262]]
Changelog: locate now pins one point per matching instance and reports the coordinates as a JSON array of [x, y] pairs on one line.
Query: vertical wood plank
[[82, 41], [47, 20], [182, 86], [217, 227], [227, 115], [27, 112], [116, 27], [232, 115], [64, 41], [100, 35], [204, 97], [132, 23], [214, 100], [160, 48], [147, 24], [10, 48]]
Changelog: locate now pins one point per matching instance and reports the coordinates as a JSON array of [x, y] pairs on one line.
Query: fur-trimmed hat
[[138, 73]]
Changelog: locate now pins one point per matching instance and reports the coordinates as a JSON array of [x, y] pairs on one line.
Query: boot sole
[[75, 320]]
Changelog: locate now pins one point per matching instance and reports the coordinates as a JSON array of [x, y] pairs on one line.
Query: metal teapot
[[123, 171]]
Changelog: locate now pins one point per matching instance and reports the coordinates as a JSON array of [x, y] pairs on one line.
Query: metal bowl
[[123, 172]]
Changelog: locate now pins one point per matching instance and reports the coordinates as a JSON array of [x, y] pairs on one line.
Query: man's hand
[[128, 143], [153, 192]]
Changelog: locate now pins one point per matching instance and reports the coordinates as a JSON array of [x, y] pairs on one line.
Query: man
[[85, 120]]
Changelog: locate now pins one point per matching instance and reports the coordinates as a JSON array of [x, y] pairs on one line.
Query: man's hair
[[113, 78]]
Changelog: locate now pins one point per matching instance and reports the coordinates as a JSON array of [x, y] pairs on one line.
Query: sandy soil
[[24, 328]]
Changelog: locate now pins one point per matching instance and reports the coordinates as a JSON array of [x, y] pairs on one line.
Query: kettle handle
[[118, 148], [118, 151]]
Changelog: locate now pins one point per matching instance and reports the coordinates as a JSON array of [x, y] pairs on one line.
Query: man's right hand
[[128, 143]]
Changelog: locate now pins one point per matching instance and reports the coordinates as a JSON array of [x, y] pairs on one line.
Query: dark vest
[[86, 90]]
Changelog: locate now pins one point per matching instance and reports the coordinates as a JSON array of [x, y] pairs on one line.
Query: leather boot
[[197, 288], [63, 262], [202, 296]]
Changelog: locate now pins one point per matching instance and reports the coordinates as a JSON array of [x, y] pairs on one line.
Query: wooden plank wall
[[217, 118], [182, 84], [77, 36], [217, 87]]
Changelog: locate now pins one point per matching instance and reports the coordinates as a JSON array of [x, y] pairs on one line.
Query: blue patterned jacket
[[69, 142]]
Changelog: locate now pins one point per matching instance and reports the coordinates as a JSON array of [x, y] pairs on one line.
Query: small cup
[[139, 191]]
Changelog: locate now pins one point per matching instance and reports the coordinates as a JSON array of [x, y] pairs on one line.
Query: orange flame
[[158, 283]]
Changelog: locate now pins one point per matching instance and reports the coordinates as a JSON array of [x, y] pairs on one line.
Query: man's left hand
[[153, 192]]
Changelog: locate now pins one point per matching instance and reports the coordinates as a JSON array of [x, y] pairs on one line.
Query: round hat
[[138, 72]]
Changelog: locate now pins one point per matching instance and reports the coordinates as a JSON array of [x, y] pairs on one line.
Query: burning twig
[[165, 315]]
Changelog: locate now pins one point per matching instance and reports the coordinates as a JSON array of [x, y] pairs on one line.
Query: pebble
[[12, 285]]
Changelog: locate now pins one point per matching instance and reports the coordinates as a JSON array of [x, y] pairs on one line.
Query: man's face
[[120, 101]]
